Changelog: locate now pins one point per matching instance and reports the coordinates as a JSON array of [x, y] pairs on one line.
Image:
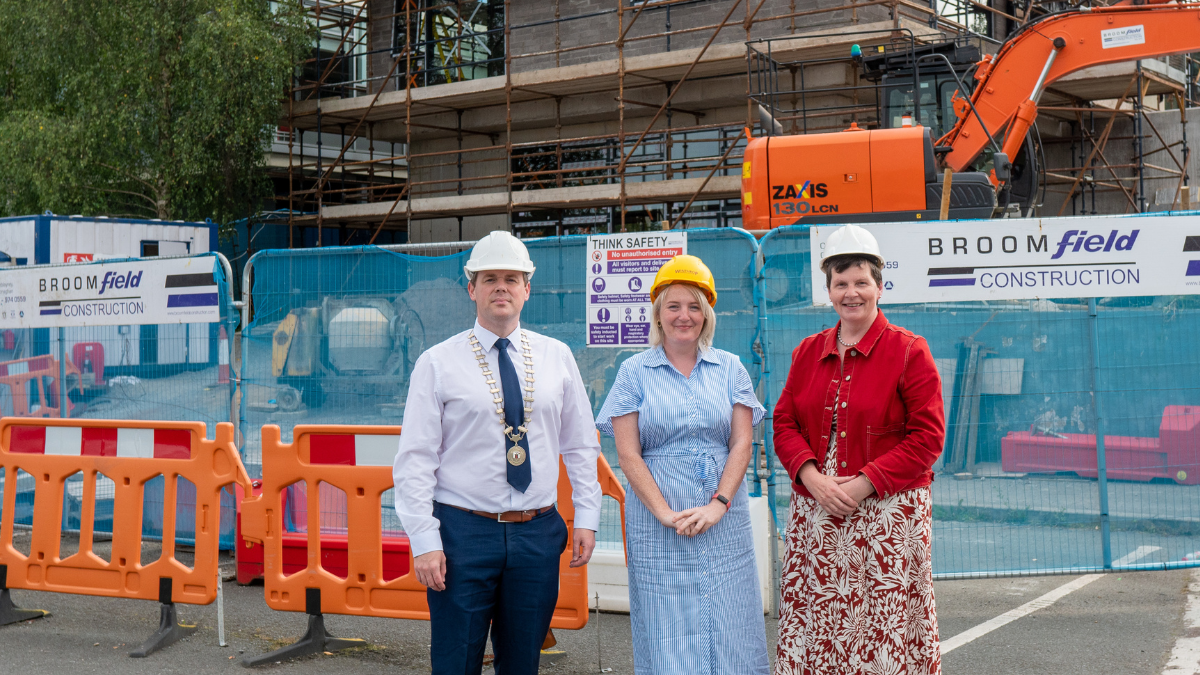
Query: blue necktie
[[514, 416]]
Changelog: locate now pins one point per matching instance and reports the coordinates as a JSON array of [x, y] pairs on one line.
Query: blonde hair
[[710, 317]]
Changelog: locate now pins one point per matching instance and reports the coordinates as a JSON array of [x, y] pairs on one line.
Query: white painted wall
[[105, 238], [17, 239]]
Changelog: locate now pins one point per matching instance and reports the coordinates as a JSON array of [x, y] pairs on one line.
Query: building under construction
[[425, 121]]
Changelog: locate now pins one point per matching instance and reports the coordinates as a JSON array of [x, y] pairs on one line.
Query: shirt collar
[[865, 345], [487, 339], [657, 357]]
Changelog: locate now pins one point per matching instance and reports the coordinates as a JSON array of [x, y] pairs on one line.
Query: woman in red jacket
[[858, 426]]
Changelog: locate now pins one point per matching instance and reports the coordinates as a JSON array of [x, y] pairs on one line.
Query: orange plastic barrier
[[129, 454], [18, 374], [357, 460]]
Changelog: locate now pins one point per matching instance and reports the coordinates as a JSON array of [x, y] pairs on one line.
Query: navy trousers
[[502, 575]]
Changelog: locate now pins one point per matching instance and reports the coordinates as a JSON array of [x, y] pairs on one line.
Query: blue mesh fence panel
[[334, 336], [174, 372], [1017, 487], [360, 317], [558, 308], [336, 331], [1148, 397]]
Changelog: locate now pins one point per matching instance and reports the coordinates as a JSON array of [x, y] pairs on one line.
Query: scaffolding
[[424, 110], [1152, 158]]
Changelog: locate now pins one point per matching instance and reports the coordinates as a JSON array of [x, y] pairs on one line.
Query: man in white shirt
[[489, 412]]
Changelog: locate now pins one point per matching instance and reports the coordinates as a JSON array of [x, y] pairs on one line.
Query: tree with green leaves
[[143, 108]]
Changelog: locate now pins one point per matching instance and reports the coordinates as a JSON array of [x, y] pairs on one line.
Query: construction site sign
[[130, 292], [621, 268], [1031, 258]]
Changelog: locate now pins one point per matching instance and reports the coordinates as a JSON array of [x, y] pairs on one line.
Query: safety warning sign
[[621, 268]]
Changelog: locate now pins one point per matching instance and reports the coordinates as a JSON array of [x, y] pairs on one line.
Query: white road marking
[[1014, 614], [1185, 657], [1134, 556]]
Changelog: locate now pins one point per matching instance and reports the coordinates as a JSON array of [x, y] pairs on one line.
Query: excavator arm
[[1010, 84]]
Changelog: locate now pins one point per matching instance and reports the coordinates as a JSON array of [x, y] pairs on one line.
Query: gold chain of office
[[516, 454]]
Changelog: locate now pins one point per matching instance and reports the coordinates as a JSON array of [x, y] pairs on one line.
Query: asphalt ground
[[1121, 623]]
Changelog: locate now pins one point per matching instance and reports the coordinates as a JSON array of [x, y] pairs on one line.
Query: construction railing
[[331, 485], [1026, 385], [1015, 374], [127, 458], [167, 371]]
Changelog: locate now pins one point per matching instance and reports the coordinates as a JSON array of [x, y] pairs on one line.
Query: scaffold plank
[[587, 196]]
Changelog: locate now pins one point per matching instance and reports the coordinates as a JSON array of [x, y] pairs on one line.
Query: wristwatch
[[721, 498]]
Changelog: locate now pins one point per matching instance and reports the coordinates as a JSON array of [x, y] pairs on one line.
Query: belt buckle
[[523, 516]]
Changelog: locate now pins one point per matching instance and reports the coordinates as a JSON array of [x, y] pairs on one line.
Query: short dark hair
[[841, 263]]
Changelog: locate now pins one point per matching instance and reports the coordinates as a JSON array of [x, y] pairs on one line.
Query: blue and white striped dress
[[694, 602]]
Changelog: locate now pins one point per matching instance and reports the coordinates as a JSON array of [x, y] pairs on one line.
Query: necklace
[[843, 342], [516, 454]]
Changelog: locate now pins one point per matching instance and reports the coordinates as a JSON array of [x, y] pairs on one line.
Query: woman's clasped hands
[[693, 521], [838, 495]]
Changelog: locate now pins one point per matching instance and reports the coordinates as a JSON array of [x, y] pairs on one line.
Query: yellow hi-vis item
[[685, 269]]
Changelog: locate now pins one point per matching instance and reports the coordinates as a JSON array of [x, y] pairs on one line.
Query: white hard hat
[[852, 239], [499, 251]]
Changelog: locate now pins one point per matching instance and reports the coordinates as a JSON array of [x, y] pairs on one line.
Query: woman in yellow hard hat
[[683, 414]]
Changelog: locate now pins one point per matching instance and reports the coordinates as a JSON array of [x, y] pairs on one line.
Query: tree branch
[[129, 175], [124, 192]]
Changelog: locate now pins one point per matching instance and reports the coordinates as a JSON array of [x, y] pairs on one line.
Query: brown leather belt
[[508, 516]]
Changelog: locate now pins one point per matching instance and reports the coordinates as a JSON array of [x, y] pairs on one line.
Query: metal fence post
[[64, 408], [768, 422], [1098, 411]]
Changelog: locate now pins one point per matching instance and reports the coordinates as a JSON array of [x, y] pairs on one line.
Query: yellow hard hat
[[685, 269]]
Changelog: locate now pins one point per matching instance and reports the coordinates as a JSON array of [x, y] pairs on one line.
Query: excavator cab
[[859, 175]]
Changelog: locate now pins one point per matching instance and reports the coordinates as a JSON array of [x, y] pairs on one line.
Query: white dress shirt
[[453, 450]]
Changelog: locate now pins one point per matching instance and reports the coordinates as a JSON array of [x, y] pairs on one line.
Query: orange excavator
[[881, 175]]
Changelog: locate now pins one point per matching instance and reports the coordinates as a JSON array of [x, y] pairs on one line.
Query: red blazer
[[891, 423]]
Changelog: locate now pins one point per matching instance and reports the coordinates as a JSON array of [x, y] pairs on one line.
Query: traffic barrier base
[[316, 639], [10, 613], [169, 630]]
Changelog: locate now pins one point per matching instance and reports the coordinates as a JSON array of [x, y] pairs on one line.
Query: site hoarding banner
[[1029, 259], [130, 292], [621, 268]]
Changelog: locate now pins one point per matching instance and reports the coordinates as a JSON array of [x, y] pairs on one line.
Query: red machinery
[[89, 358], [1175, 454]]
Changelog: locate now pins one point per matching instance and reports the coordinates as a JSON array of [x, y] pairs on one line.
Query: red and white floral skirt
[[858, 592]]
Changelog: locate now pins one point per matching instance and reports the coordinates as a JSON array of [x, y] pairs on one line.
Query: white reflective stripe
[[64, 441], [1014, 614], [135, 443], [223, 352], [372, 450], [18, 368], [1185, 657]]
